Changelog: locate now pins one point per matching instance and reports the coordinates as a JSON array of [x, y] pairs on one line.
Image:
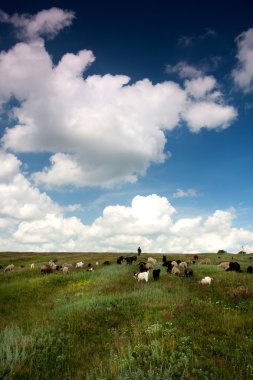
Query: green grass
[[104, 325]]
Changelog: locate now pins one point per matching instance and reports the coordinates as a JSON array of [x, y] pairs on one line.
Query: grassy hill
[[104, 325]]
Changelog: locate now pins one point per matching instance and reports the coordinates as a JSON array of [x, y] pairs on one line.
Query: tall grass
[[104, 325]]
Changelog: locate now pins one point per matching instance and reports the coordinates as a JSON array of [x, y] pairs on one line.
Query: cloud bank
[[31, 221], [99, 130]]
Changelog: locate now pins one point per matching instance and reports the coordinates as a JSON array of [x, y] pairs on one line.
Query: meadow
[[103, 325]]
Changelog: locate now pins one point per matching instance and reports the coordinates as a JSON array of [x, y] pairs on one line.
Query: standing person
[[139, 251]]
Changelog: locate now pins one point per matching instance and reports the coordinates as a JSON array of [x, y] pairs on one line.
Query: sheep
[[67, 265], [9, 268], [195, 257], [188, 272], [32, 266], [130, 259], [142, 276], [65, 270], [79, 265], [120, 259], [224, 265], [206, 280], [1, 266], [169, 266], [175, 270], [46, 268], [152, 261], [205, 261], [183, 264], [174, 263], [106, 263], [90, 268], [156, 274], [97, 263], [142, 267], [234, 266], [250, 269]]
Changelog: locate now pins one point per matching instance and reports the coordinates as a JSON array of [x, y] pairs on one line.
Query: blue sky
[[125, 125]]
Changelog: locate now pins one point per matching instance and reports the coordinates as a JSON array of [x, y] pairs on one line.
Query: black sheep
[[250, 269], [156, 274], [234, 266], [188, 272]]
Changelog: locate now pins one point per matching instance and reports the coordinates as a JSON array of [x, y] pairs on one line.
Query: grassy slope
[[104, 325]]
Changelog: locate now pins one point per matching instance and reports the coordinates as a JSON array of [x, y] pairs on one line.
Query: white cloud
[[209, 115], [200, 87], [184, 70], [45, 23], [30, 220], [243, 73], [101, 130], [179, 193]]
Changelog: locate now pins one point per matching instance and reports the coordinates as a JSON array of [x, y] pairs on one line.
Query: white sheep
[[206, 280], [32, 266], [224, 265], [183, 264], [152, 261], [143, 276], [65, 270], [97, 263], [174, 264], [175, 270], [9, 268], [79, 265]]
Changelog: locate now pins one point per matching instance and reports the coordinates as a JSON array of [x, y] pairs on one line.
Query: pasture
[[105, 325]]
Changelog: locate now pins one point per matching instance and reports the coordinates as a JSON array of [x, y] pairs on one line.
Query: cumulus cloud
[[47, 23], [243, 73], [149, 221], [31, 220], [101, 130]]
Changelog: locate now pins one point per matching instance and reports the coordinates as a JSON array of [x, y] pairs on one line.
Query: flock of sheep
[[145, 268]]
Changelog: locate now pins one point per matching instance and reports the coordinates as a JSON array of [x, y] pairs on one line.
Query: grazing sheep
[[90, 268], [234, 266], [250, 269], [205, 261], [174, 263], [46, 268], [120, 259], [152, 261], [169, 266], [175, 270], [9, 268], [79, 265], [106, 263], [206, 280], [188, 272], [130, 259], [183, 264], [195, 257], [164, 259], [156, 274], [65, 270], [149, 266], [224, 265], [142, 276], [67, 265], [142, 267], [32, 266], [97, 263], [1, 266]]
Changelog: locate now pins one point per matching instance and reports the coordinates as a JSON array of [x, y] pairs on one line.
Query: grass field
[[104, 325]]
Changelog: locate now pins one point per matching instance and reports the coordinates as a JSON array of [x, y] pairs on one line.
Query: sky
[[126, 124]]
